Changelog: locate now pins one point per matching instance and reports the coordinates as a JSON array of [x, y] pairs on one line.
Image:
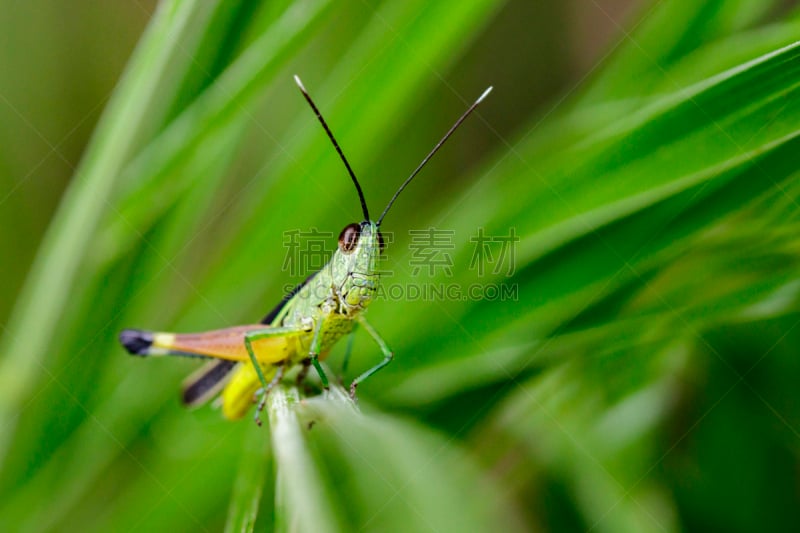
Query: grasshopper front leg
[[388, 355], [313, 352]]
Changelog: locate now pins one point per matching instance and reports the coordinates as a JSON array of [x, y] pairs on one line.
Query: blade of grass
[[25, 341], [669, 32], [250, 480], [381, 471], [559, 421], [301, 503], [749, 165], [600, 173], [229, 99]]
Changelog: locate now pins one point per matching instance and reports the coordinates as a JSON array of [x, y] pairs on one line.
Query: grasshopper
[[248, 361]]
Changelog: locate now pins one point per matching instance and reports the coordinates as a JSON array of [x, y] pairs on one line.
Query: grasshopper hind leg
[[266, 387], [264, 392]]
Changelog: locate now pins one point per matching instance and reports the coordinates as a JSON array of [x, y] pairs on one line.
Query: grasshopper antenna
[[435, 149], [335, 145]]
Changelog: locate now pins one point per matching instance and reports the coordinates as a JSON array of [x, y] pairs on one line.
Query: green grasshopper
[[302, 328]]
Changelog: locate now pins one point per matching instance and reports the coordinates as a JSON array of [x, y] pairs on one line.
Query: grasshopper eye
[[348, 238]]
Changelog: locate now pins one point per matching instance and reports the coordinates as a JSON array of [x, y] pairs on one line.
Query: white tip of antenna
[[303, 87], [484, 95]]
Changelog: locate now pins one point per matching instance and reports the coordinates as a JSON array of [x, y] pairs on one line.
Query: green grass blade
[[41, 303], [151, 177], [668, 32], [600, 226], [250, 481], [386, 473], [302, 504]]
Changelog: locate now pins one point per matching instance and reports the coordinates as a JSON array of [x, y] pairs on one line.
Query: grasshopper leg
[[266, 387], [264, 392], [313, 353], [252, 336], [388, 355]]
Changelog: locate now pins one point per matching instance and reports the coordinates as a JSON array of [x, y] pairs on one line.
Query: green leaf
[[151, 74], [249, 485]]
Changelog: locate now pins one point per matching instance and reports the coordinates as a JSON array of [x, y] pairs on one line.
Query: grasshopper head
[[355, 263]]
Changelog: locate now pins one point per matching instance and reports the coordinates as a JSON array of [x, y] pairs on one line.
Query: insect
[[246, 362]]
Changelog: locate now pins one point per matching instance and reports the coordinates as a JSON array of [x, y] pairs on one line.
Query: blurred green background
[[644, 378]]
